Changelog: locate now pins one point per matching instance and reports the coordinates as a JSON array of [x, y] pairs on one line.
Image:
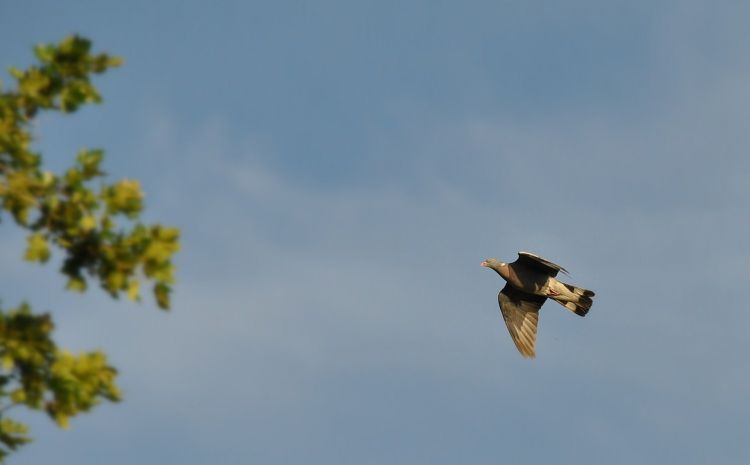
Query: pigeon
[[530, 280]]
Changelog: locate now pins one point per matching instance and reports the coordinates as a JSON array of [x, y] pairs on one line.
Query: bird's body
[[530, 281]]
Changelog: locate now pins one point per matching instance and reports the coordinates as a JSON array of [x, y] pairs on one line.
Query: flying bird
[[530, 280]]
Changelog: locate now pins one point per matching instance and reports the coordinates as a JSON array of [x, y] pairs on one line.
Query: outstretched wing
[[521, 313], [538, 263]]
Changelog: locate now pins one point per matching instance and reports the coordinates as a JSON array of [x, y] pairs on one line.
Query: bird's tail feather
[[579, 308], [582, 303], [579, 290]]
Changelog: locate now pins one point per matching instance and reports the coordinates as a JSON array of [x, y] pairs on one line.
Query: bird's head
[[492, 263]]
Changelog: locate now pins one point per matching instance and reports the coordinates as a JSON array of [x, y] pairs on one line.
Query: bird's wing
[[538, 263], [521, 312]]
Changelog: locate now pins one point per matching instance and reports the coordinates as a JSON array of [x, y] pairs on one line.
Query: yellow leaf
[[133, 290], [62, 420], [48, 178], [8, 362], [18, 396], [77, 284], [37, 249], [88, 223], [115, 281]]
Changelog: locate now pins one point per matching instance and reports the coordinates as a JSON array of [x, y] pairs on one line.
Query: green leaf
[[113, 61], [124, 197], [12, 435], [161, 292], [89, 161], [45, 52], [65, 211], [74, 46], [15, 72]]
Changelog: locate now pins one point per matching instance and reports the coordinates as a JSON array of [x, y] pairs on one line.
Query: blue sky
[[339, 170]]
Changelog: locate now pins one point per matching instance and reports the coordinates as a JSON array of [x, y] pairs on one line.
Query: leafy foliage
[[95, 227]]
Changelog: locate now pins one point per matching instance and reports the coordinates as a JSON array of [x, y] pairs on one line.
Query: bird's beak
[[484, 263]]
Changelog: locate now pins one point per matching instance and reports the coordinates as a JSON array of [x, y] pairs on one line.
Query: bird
[[530, 281]]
